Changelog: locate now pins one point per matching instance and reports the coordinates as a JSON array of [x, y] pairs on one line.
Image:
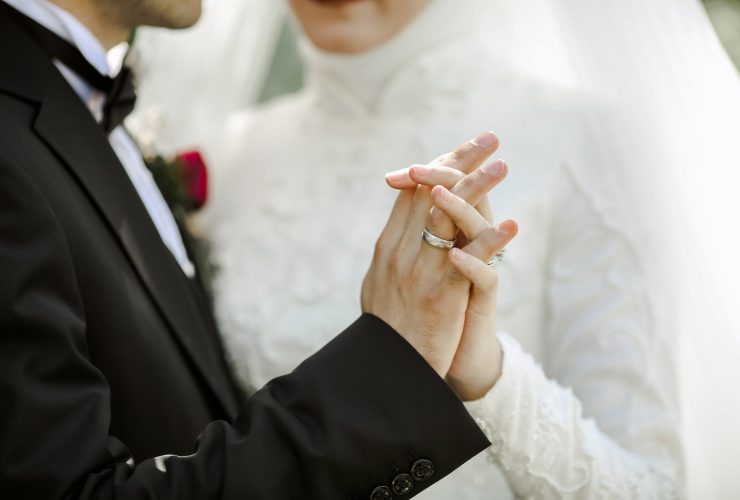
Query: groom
[[112, 379]]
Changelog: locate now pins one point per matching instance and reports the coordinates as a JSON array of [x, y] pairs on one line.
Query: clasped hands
[[444, 302]]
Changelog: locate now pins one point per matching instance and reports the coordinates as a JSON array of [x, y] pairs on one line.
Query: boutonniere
[[182, 177]]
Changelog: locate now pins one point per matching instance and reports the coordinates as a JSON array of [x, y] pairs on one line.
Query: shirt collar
[[68, 27], [71, 29]]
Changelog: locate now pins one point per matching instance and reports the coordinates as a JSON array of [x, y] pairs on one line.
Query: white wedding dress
[[586, 406]]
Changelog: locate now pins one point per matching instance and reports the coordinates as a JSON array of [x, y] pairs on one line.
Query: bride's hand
[[478, 360]]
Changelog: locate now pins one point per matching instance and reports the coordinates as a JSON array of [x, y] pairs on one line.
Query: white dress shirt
[[68, 27]]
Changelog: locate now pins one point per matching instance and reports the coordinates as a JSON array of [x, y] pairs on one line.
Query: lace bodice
[[300, 198]]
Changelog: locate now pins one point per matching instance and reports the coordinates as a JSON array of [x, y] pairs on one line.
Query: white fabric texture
[[589, 288], [575, 459], [661, 62], [67, 26]]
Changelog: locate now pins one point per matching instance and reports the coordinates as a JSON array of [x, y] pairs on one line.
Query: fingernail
[[507, 227], [457, 254], [422, 170], [495, 168], [442, 192], [396, 174], [485, 140]]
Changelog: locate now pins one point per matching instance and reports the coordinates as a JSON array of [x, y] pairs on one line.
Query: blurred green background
[[725, 15]]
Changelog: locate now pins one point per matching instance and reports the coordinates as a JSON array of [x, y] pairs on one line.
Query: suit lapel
[[69, 129]]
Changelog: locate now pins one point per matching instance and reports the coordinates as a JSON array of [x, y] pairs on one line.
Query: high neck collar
[[365, 77]]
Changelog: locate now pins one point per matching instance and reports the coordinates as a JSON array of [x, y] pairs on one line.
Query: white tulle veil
[[191, 80], [660, 64], [674, 137], [673, 133]]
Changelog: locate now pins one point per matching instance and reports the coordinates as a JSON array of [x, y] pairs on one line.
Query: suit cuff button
[[402, 484], [422, 470], [381, 493]]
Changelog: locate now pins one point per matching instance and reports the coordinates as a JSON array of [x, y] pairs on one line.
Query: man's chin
[[186, 20], [338, 3], [183, 24], [184, 14]]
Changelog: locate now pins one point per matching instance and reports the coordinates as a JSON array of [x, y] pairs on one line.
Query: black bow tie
[[120, 91]]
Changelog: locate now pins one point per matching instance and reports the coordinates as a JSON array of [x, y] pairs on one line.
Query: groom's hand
[[412, 285]]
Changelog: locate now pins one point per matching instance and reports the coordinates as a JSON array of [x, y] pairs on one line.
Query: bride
[[588, 402]]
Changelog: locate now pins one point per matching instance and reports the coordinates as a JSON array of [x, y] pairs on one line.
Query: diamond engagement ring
[[497, 259], [436, 241]]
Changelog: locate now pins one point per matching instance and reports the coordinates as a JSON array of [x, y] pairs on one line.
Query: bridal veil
[[661, 64], [671, 130]]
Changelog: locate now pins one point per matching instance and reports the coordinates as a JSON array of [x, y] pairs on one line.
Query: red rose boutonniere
[[183, 180], [194, 174]]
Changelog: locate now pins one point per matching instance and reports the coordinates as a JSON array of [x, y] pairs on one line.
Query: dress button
[[381, 493], [402, 484], [422, 470]]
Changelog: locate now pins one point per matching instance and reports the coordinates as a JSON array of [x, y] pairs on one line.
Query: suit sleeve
[[359, 414]]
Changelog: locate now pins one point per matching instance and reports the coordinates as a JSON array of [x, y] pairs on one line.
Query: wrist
[[478, 380]]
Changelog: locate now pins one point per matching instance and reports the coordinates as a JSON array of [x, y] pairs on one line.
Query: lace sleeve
[[607, 428]]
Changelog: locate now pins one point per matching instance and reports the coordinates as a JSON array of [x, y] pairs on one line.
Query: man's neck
[[97, 20]]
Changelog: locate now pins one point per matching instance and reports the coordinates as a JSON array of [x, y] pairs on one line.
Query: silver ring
[[436, 241], [497, 259]]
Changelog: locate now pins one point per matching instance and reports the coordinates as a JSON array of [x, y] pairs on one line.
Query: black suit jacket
[[109, 356]]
